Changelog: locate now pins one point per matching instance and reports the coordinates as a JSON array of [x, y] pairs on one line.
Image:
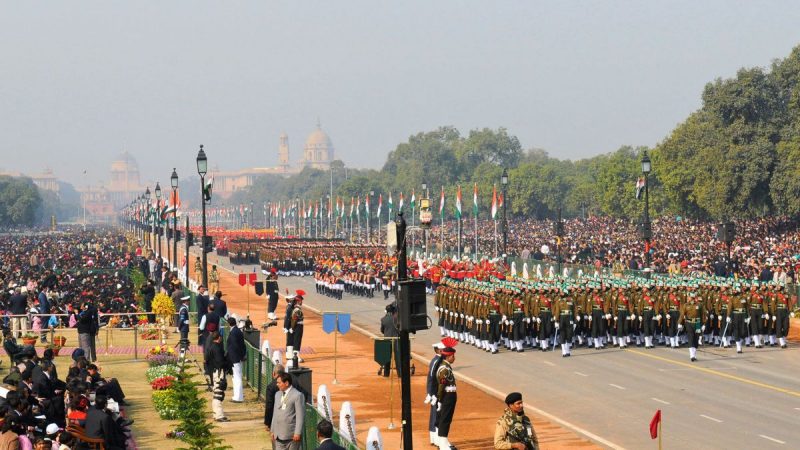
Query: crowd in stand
[[678, 245], [54, 280]]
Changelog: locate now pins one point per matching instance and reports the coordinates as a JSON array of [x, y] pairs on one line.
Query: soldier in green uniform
[[673, 313], [514, 430], [447, 396], [564, 313], [694, 315], [648, 306]]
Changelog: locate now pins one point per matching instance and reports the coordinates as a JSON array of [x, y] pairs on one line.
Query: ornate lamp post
[[504, 183], [647, 232], [158, 213], [147, 202], [202, 170], [174, 182]]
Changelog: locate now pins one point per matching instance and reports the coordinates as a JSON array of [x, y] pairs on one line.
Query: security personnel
[[213, 278], [296, 330], [198, 270], [183, 321], [781, 305], [757, 316], [673, 312], [599, 311], [514, 429], [624, 309], [431, 391], [446, 393], [272, 293]]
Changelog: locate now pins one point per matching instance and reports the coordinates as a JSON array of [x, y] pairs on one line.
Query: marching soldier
[[673, 313], [624, 309], [757, 316], [648, 307], [781, 305], [544, 317], [693, 314], [564, 313], [723, 308]]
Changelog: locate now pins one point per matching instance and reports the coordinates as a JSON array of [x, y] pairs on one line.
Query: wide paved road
[[723, 400]]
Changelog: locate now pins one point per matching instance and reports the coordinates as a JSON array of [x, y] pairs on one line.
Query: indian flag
[[458, 203], [380, 205], [475, 200], [441, 203], [400, 206], [366, 205], [391, 206], [494, 202], [413, 200]]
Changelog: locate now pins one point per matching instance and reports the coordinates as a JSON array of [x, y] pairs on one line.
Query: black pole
[[505, 223], [175, 238], [158, 227], [647, 230], [405, 344], [203, 244], [558, 240], [166, 237], [186, 239]]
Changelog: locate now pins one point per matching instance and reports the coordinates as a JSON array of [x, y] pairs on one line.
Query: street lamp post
[[424, 230], [174, 182], [158, 213], [202, 169], [150, 236], [504, 183], [647, 231]]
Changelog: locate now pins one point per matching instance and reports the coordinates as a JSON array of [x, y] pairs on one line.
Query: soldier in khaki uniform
[[213, 279], [514, 429], [198, 271]]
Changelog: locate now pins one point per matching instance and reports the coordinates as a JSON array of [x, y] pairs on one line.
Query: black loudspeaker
[[412, 305], [301, 379]]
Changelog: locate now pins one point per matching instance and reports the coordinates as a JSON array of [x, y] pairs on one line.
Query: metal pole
[[186, 239], [405, 344], [175, 238], [505, 222], [646, 224], [203, 244]]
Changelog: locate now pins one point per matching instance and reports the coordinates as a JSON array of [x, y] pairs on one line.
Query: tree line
[[735, 157]]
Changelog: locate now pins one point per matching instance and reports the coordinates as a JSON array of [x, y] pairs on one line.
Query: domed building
[[318, 152], [124, 174]]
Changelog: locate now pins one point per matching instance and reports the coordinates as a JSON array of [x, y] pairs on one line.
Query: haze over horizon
[[82, 81]]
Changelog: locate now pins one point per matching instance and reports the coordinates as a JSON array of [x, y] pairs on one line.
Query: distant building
[[102, 203], [46, 180], [317, 153]]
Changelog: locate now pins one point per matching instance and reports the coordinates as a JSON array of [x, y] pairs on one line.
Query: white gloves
[[434, 400], [436, 308], [427, 399], [655, 318], [285, 330], [511, 322], [538, 320], [571, 323], [291, 331], [552, 319], [608, 316], [633, 317], [711, 316], [727, 320], [438, 407], [747, 320], [680, 327], [557, 325], [791, 314], [504, 319], [774, 318], [765, 316], [658, 317], [703, 328], [461, 316], [587, 317]]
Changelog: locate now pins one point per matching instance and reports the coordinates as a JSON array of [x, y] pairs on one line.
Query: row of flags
[[316, 208]]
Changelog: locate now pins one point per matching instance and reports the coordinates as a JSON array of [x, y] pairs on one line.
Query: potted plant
[[55, 347], [59, 340], [30, 338]]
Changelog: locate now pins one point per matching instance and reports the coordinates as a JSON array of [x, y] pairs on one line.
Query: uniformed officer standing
[[647, 308], [296, 330], [446, 394], [198, 270], [564, 312], [213, 278], [183, 321], [272, 293], [514, 430]]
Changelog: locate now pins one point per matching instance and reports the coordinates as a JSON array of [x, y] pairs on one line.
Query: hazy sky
[[82, 80]]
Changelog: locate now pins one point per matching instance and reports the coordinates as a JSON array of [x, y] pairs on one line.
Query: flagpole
[[495, 238], [660, 419], [476, 237]]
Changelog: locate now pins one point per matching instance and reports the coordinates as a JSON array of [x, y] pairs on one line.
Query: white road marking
[[617, 386], [687, 369], [660, 401], [772, 439], [797, 409], [549, 363], [581, 374], [710, 418]]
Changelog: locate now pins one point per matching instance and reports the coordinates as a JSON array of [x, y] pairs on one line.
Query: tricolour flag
[[400, 205], [380, 205], [391, 206], [475, 200], [458, 202], [352, 205], [441, 203], [413, 200], [639, 187], [494, 202], [366, 205]]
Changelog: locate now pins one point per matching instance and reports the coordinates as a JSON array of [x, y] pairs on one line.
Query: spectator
[[236, 355], [216, 365], [324, 436], [272, 389], [288, 415]]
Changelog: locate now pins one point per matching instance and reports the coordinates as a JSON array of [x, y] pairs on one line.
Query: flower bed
[[161, 371], [163, 383], [166, 404], [162, 355]]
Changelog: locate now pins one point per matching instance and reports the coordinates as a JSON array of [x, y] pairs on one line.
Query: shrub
[[166, 404]]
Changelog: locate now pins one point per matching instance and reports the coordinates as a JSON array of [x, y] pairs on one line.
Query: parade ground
[[606, 397]]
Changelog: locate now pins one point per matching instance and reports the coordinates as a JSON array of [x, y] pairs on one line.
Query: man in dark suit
[[236, 354], [100, 424], [288, 416], [201, 302], [389, 330], [324, 435]]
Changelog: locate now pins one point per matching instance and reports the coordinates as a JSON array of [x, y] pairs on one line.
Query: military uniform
[[564, 312], [213, 280], [693, 314], [446, 393]]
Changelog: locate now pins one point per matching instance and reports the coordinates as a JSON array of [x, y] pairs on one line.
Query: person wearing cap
[[389, 330], [431, 385], [447, 397], [213, 279], [296, 323], [514, 429], [272, 293], [198, 270], [183, 319], [201, 303]]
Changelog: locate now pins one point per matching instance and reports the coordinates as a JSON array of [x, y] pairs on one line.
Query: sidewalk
[[375, 399]]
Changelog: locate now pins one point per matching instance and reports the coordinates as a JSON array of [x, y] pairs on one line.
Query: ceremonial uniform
[[446, 393], [693, 314], [648, 307], [213, 279], [564, 311], [272, 295]]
